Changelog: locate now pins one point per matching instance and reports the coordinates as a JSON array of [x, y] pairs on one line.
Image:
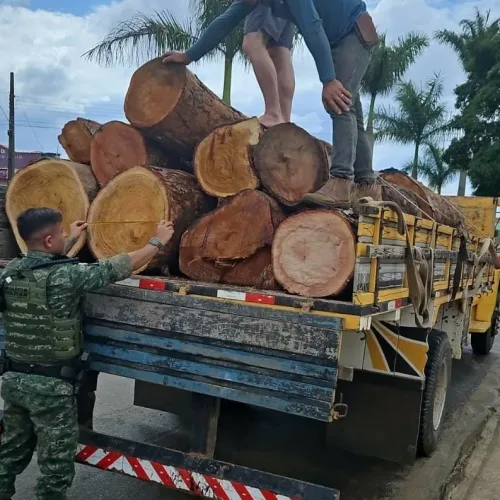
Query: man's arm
[[219, 29], [311, 28], [90, 277]]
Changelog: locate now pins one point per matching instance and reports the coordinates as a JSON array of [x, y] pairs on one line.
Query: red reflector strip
[[398, 303], [259, 298], [152, 284]]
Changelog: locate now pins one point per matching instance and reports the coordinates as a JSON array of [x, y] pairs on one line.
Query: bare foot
[[268, 121]]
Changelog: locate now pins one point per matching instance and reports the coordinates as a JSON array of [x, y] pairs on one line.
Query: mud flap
[[383, 419]]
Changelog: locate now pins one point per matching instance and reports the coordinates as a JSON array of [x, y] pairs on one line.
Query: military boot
[[373, 191], [336, 193]]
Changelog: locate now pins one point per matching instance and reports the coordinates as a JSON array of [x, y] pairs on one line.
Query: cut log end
[[154, 91], [124, 215], [126, 212], [117, 147], [76, 137], [52, 183], [314, 253], [223, 164], [290, 163]]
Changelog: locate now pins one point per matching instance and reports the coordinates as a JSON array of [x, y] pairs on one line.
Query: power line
[[32, 129]]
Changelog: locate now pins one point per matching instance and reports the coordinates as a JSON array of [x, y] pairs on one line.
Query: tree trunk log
[[76, 137], [291, 163], [125, 213], [173, 107], [223, 245], [59, 184], [223, 160], [430, 204], [117, 147], [256, 271], [314, 253]]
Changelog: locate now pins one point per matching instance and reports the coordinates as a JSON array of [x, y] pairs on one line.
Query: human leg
[[18, 439], [254, 46], [351, 60], [56, 427], [280, 51]]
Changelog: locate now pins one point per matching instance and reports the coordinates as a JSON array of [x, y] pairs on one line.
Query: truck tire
[[437, 382], [482, 342]]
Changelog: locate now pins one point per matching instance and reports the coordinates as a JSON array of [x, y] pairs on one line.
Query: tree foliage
[[388, 64], [478, 102], [419, 117]]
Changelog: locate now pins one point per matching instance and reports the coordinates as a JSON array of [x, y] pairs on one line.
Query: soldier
[[340, 35], [39, 298]]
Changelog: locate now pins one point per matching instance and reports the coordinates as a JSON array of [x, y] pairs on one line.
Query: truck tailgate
[[262, 355]]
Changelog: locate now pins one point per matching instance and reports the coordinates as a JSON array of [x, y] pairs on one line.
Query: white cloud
[[52, 77]]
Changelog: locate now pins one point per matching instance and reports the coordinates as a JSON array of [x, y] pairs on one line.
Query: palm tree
[[466, 44], [433, 168], [145, 36], [387, 66], [419, 117]]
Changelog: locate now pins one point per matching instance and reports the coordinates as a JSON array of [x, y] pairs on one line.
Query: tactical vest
[[32, 334]]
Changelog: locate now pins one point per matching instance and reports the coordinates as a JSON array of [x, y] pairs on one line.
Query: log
[[124, 215], [173, 107], [117, 147], [223, 160], [255, 271], [431, 205], [291, 163], [314, 253], [215, 246], [76, 137], [53, 183]]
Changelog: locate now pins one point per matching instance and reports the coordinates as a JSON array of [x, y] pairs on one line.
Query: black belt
[[68, 371]]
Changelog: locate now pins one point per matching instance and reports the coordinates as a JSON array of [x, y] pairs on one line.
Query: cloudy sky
[[43, 41]]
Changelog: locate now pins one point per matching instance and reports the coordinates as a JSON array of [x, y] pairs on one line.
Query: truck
[[374, 370]]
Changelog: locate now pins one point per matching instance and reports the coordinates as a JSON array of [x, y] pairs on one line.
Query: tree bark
[[223, 160], [369, 125], [414, 170], [52, 183], [117, 147], [223, 245], [430, 204], [171, 106], [124, 215], [290, 163], [76, 137], [462, 183], [314, 253]]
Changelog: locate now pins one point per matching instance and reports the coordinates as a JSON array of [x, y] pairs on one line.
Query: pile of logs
[[232, 190]]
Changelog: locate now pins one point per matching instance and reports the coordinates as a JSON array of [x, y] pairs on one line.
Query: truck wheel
[[437, 382], [482, 342]]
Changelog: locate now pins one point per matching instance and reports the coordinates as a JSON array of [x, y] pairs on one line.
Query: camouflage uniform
[[39, 411]]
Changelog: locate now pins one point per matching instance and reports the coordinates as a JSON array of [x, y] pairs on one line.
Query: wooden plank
[[206, 411], [217, 375], [281, 335], [154, 339], [305, 408]]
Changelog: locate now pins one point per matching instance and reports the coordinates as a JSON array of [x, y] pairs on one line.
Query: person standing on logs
[[42, 363], [268, 44], [341, 36]]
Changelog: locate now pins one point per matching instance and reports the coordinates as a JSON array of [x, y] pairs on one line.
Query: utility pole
[[12, 139]]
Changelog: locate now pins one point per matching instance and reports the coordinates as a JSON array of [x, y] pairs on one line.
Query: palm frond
[[143, 37]]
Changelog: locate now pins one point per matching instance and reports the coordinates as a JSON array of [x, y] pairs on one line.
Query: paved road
[[358, 479]]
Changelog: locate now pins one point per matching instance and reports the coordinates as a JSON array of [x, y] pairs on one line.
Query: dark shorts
[[279, 31]]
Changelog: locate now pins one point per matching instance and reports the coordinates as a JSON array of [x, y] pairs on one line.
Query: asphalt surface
[[357, 478]]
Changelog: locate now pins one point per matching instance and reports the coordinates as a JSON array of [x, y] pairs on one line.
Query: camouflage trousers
[[47, 422]]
